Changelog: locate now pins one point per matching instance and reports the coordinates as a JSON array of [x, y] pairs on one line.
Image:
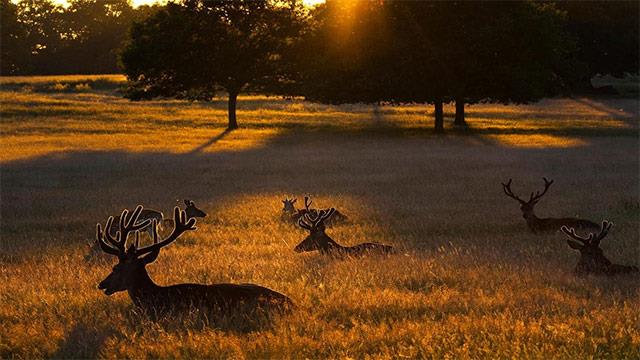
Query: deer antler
[[307, 203], [116, 246], [604, 230], [592, 238], [538, 195], [571, 232], [181, 225], [303, 224], [309, 221], [507, 190]]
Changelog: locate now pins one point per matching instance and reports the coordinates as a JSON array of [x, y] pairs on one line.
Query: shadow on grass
[[212, 141], [83, 341], [66, 192]]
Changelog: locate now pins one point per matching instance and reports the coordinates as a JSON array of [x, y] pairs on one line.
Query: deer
[[150, 214], [130, 273], [592, 259], [147, 214], [541, 225], [290, 213], [313, 221]]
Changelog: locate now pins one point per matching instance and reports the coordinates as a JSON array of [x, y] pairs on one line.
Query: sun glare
[[312, 3], [134, 3]]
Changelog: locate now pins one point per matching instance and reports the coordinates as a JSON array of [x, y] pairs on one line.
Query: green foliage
[[13, 52], [41, 37], [192, 49], [403, 51]]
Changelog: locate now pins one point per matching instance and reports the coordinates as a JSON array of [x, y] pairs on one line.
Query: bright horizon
[[137, 3]]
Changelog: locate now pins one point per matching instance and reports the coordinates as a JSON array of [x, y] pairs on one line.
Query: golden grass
[[468, 282]]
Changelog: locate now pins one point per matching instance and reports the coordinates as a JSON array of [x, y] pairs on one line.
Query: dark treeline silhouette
[[40, 37], [388, 51], [460, 52], [195, 48], [607, 37]]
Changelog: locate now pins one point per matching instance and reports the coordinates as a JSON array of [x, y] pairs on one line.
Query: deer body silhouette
[[130, 274], [592, 259], [540, 225], [320, 241]]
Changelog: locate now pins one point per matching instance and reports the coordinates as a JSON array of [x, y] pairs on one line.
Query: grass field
[[469, 280]]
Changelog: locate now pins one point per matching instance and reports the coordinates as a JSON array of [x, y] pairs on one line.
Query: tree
[[607, 37], [15, 51], [41, 37], [341, 58], [42, 22], [93, 31], [192, 49], [502, 52], [438, 52]]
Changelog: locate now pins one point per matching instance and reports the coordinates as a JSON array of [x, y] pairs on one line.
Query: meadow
[[469, 280]]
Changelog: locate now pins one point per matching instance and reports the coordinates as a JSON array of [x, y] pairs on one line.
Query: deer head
[[288, 205], [314, 222], [130, 269], [592, 259], [192, 211], [527, 206]]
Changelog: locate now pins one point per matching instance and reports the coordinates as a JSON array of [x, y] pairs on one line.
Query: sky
[[135, 3], [148, 2]]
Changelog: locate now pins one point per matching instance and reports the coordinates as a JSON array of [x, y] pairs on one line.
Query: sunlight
[[312, 3], [134, 3], [537, 141]]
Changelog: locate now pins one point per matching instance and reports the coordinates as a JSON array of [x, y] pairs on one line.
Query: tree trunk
[[233, 99], [439, 124], [459, 120]]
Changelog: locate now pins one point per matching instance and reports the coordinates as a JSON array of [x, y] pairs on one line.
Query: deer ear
[[574, 245]]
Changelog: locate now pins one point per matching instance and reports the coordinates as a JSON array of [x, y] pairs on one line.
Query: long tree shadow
[[212, 141], [65, 193]]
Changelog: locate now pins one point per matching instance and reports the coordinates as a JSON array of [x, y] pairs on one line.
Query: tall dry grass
[[468, 281]]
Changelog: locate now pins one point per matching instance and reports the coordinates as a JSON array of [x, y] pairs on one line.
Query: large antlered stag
[[539, 225], [592, 259], [130, 274], [313, 221]]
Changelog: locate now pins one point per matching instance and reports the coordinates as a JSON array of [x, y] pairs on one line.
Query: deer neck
[[532, 219], [588, 264], [329, 245], [142, 288]]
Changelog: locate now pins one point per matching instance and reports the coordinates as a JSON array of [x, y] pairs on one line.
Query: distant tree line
[[389, 51], [40, 37]]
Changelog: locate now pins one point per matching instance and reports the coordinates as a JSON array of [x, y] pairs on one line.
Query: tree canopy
[[437, 52], [341, 52], [42, 37], [607, 37], [195, 48]]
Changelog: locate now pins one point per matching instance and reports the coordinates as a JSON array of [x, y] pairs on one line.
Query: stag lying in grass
[[318, 240], [592, 259], [130, 274], [539, 225], [290, 213]]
